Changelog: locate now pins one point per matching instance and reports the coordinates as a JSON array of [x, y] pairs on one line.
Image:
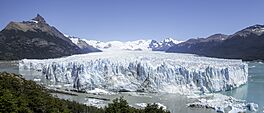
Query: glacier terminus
[[144, 71]]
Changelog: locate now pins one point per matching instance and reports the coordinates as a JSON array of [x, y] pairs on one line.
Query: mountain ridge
[[136, 45], [34, 39], [246, 44]]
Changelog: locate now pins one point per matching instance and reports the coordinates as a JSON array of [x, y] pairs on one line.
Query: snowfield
[[137, 45], [145, 71], [118, 45]]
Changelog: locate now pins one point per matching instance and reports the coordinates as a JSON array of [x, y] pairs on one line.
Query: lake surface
[[253, 91], [174, 102], [9, 66]]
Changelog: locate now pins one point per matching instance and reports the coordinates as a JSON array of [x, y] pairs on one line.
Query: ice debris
[[222, 103]]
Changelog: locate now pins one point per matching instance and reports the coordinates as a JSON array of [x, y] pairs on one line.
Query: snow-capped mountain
[[83, 45], [138, 45], [118, 45], [166, 44], [255, 29]]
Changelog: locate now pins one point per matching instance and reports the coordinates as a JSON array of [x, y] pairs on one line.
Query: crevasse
[[142, 71]]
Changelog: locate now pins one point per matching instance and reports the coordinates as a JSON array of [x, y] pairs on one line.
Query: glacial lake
[[253, 91]]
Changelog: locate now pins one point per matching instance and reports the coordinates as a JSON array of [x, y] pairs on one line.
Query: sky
[[127, 20]]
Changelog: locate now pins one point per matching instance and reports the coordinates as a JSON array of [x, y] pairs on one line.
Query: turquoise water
[[253, 91], [174, 102]]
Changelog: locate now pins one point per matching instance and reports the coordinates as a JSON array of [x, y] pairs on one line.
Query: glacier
[[136, 45], [145, 71]]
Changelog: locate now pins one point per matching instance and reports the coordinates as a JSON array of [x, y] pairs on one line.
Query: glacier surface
[[145, 71], [137, 45]]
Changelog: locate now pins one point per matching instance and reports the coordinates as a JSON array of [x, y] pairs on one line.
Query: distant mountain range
[[35, 39], [138, 45], [247, 44]]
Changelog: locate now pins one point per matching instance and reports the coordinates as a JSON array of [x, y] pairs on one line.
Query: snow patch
[[34, 21], [74, 40], [171, 40]]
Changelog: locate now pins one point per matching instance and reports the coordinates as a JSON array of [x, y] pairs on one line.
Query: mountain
[[246, 44], [199, 45], [34, 39], [83, 45], [165, 44], [118, 45], [138, 45]]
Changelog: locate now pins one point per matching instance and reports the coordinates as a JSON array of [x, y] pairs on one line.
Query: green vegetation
[[120, 105], [18, 95]]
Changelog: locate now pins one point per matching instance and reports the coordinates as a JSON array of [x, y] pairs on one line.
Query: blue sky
[[138, 19]]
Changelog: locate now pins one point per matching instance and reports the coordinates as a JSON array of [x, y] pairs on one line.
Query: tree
[[119, 105], [18, 95], [154, 108]]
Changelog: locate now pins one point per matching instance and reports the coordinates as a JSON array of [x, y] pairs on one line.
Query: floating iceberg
[[98, 91], [222, 103], [144, 71], [95, 102], [143, 105]]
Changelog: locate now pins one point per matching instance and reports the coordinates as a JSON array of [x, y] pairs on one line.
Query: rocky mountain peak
[[35, 39], [255, 29], [39, 18], [168, 40], [257, 26]]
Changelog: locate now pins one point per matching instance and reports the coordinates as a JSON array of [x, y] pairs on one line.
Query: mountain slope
[[34, 39], [199, 45], [83, 45], [247, 44]]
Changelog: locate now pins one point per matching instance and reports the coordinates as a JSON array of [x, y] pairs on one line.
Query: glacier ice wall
[[142, 71]]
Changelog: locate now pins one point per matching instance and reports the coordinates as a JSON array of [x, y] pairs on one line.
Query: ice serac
[[142, 71]]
